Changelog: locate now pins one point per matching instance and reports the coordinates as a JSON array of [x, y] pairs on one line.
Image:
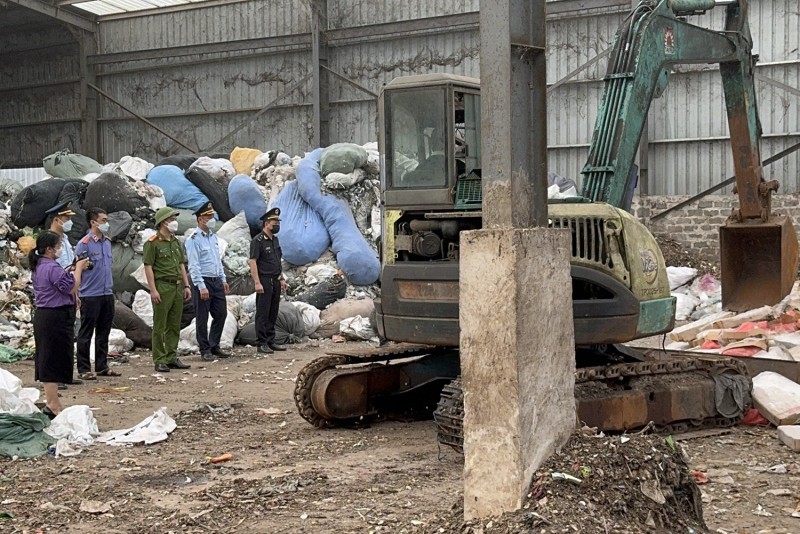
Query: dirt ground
[[286, 476]]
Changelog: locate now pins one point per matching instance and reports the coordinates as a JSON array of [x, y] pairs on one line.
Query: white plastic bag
[[76, 424], [134, 168], [143, 307], [680, 276], [357, 328], [153, 429], [310, 315], [318, 272], [338, 180], [219, 169], [118, 342], [236, 229], [684, 306]]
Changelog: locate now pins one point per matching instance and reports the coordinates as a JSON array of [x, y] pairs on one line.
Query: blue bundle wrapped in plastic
[[179, 192], [353, 254], [245, 196], [303, 236]]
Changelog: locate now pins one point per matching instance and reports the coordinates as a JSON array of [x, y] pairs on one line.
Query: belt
[[169, 281], [212, 278]]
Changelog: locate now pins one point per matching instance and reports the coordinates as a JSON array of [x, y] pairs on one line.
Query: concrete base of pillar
[[517, 360]]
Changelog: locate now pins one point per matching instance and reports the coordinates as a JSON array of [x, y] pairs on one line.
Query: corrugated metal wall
[[39, 93], [201, 73]]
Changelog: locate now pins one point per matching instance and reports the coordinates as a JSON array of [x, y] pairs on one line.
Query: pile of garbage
[[771, 332], [329, 235]]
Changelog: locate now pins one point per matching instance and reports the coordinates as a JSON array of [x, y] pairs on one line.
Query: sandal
[[87, 376], [49, 413], [108, 372]]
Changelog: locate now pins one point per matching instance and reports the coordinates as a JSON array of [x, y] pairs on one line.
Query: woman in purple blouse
[[54, 289]]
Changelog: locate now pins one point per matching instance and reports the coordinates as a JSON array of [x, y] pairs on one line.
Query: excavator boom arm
[[653, 39]]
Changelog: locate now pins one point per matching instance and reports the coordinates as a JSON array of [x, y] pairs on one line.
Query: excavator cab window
[[416, 142]]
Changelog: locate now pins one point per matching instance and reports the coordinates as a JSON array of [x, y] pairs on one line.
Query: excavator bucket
[[758, 261]]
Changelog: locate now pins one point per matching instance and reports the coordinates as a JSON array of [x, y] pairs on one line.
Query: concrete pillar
[[517, 360]]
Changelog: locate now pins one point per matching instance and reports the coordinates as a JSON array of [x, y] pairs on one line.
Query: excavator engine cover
[[758, 261]]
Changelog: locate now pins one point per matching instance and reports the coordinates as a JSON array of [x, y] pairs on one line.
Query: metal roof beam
[[57, 13]]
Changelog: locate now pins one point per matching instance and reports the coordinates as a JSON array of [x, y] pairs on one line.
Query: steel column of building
[[514, 144], [89, 104], [319, 82]]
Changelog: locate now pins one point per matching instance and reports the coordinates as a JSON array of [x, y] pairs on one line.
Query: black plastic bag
[[184, 162], [324, 293], [111, 192], [135, 328], [216, 192], [29, 205]]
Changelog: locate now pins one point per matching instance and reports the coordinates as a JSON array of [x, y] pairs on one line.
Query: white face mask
[[60, 252], [104, 227], [67, 226], [172, 226], [211, 223]]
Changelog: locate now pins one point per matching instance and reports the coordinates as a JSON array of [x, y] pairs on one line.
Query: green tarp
[[23, 436]]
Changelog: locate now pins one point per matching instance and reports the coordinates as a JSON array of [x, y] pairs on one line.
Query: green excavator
[[430, 136]]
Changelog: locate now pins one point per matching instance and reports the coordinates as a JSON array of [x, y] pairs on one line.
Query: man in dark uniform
[[265, 269], [164, 260]]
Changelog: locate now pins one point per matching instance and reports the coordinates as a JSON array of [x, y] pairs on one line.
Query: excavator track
[[449, 414], [673, 392], [308, 375]]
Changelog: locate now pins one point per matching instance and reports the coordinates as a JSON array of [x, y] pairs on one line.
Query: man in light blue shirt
[[61, 224], [209, 285]]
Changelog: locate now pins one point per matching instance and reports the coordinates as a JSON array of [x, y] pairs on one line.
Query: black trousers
[[97, 314], [267, 305], [216, 305]]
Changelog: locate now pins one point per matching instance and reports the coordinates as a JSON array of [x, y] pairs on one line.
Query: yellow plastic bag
[[243, 158], [26, 244]]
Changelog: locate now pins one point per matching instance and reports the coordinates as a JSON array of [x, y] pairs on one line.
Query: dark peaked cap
[[274, 215]]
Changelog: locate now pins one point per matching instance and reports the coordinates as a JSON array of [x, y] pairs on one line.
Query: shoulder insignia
[[155, 236], [85, 240]]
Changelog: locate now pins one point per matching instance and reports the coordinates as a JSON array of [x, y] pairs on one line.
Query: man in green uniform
[[166, 277]]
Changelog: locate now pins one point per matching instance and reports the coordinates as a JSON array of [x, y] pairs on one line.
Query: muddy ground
[[286, 476]]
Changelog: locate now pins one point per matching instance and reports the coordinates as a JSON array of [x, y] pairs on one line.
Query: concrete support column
[[515, 305], [517, 360]]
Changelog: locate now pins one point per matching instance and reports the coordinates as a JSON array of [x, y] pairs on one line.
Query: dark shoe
[[219, 353], [62, 386], [265, 349], [273, 346], [177, 364], [162, 368], [207, 357], [49, 413], [108, 371], [75, 382]]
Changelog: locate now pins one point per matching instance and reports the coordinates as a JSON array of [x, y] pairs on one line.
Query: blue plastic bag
[[303, 235], [353, 254], [245, 196], [179, 192]]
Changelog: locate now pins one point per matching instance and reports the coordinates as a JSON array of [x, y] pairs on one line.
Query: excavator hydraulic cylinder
[[689, 7], [758, 262]]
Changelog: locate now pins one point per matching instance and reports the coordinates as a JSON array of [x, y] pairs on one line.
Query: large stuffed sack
[[62, 164], [29, 205], [235, 229], [247, 335], [311, 317], [188, 336], [124, 262], [243, 158], [119, 225], [245, 196], [179, 192], [324, 293], [186, 221], [289, 326], [339, 311], [240, 284], [111, 192], [217, 192], [303, 234], [182, 162], [132, 167], [342, 157], [220, 169], [135, 328], [353, 253]]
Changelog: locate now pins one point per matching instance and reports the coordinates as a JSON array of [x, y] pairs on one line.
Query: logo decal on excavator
[[649, 265], [669, 41]]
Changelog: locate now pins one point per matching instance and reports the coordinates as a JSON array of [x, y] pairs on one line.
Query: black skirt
[[54, 334]]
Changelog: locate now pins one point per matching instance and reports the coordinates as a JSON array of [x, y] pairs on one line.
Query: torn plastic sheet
[[153, 429]]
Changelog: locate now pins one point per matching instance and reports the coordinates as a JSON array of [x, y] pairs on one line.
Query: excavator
[[430, 138]]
